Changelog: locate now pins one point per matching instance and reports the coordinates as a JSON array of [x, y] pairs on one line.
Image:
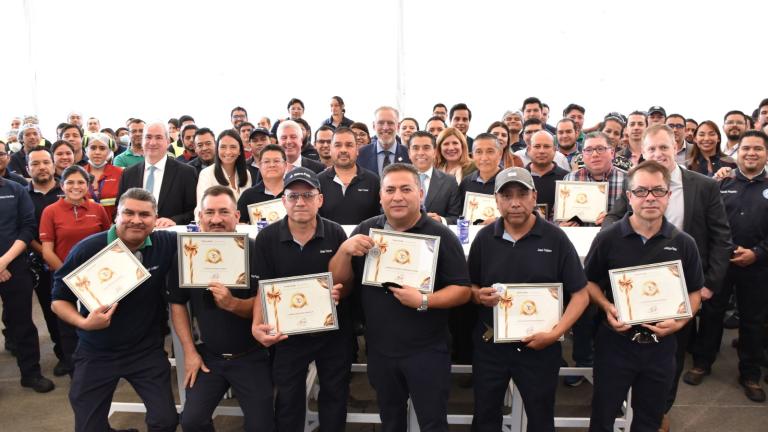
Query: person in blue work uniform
[[539, 252], [126, 339], [227, 354], [303, 243]]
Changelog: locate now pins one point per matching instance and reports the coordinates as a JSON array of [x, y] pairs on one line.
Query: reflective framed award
[[526, 309], [585, 200], [402, 258], [543, 210], [272, 211], [213, 257], [107, 277], [479, 206], [299, 304], [650, 293]]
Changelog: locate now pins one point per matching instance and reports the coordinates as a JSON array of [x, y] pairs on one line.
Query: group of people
[[675, 192]]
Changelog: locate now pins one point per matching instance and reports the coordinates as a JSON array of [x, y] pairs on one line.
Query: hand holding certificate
[[479, 206], [213, 257], [650, 293], [402, 258], [300, 304], [585, 200], [526, 309], [107, 277], [271, 211]]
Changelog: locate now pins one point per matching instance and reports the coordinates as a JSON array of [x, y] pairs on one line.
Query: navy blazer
[[366, 156]]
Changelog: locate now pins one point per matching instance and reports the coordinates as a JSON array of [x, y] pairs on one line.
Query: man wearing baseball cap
[[656, 115], [520, 247]]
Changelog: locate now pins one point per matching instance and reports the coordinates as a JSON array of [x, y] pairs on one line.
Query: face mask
[[125, 140]]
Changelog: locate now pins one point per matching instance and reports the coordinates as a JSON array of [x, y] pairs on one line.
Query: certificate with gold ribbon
[[650, 293], [213, 257], [271, 211], [107, 277], [299, 304], [402, 258], [479, 206], [585, 200], [525, 309]]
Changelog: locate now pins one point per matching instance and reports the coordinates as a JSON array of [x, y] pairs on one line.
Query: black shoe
[[732, 322], [39, 384], [695, 376], [62, 368], [752, 390]]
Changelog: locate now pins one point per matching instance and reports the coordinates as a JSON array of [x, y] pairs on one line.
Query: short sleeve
[[47, 225]]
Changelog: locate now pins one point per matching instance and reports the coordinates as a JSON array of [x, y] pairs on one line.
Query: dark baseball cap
[[259, 131], [301, 174], [657, 109]]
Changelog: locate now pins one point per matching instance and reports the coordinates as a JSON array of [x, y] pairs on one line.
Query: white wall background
[[159, 59]]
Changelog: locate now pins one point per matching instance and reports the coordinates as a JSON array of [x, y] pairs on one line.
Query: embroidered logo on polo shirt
[[545, 250], [90, 215], [153, 268], [325, 251], [733, 192], [7, 196], [363, 190], [765, 193], [670, 248]]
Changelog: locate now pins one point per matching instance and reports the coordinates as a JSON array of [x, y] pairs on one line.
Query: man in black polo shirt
[[544, 170], [227, 354], [205, 149], [303, 243], [350, 192], [520, 247], [6, 173], [640, 357], [407, 331], [272, 161], [125, 340], [487, 157]]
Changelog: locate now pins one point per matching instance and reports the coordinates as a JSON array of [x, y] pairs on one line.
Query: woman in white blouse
[[228, 169]]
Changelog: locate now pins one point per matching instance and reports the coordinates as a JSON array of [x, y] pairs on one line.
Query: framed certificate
[[479, 206], [542, 210], [402, 258], [583, 199], [213, 257], [650, 293], [272, 211], [107, 277], [525, 309], [300, 304]]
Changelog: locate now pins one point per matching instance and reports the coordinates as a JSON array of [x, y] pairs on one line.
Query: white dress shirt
[[159, 171], [427, 180], [675, 209]]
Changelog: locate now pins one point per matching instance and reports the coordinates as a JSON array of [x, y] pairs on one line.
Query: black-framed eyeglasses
[[676, 126], [294, 196], [599, 150], [642, 192]]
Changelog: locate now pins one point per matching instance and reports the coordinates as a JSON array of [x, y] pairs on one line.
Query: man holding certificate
[[522, 249], [122, 340], [227, 356], [407, 321], [640, 356], [272, 165], [302, 244]]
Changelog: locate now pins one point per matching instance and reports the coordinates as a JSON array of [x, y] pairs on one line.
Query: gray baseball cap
[[518, 175]]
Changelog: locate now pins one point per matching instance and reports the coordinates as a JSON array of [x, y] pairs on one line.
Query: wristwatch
[[424, 303]]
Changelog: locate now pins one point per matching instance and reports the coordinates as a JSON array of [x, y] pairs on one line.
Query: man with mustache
[[734, 124], [385, 148], [205, 148]]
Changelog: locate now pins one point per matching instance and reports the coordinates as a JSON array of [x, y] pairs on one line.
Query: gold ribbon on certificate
[[213, 257], [301, 304], [585, 200], [479, 206], [650, 293], [272, 211], [525, 309], [402, 258]]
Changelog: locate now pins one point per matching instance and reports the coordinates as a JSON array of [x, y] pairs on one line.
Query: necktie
[[387, 160], [151, 179]]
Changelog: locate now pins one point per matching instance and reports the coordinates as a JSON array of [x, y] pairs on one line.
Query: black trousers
[[461, 323], [710, 332], [648, 369], [533, 372], [43, 291], [684, 337], [332, 354], [250, 379], [16, 294], [424, 376], [752, 302], [95, 379]]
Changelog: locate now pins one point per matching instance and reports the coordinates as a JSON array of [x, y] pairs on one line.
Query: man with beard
[[350, 192], [260, 137], [134, 154], [31, 138], [734, 124], [690, 130], [514, 122], [440, 111], [566, 139], [385, 147], [530, 127], [205, 148], [237, 116], [544, 170], [656, 115], [187, 136], [5, 173], [676, 122], [461, 115], [323, 138]]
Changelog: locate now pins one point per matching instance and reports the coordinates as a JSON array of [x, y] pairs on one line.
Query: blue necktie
[[151, 179]]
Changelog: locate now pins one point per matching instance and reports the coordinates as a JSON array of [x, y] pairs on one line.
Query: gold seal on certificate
[[272, 211], [300, 304], [107, 277], [479, 206], [525, 309], [213, 257], [650, 293], [402, 258], [585, 200]]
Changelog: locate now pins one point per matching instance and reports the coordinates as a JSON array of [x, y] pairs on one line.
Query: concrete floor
[[717, 405]]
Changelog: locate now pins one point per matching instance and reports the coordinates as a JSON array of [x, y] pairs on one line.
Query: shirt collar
[[626, 228], [428, 172], [56, 189], [112, 236], [159, 165], [536, 229], [285, 232], [676, 176], [760, 177], [381, 221], [392, 150]]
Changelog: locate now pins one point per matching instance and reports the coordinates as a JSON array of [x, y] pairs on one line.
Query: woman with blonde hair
[[452, 156]]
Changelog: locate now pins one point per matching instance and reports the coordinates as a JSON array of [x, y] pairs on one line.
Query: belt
[[636, 334]]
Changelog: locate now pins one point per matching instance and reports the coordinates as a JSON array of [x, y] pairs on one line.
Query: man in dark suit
[[171, 182], [385, 148], [441, 192], [290, 136], [696, 208]]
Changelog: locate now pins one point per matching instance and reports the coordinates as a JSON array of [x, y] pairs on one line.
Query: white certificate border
[[265, 312], [614, 274], [497, 338], [263, 204], [119, 243], [386, 233], [578, 184], [181, 257], [468, 195]]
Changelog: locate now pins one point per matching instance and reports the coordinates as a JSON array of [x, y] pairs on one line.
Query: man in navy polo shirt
[[638, 357], [126, 339], [520, 247], [407, 331]]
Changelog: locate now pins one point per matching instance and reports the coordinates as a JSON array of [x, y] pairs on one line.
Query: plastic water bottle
[[193, 227], [462, 226], [261, 224]]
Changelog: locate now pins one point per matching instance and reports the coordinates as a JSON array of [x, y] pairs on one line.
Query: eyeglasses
[[677, 126], [294, 196], [599, 150], [734, 122], [3, 154], [642, 192]]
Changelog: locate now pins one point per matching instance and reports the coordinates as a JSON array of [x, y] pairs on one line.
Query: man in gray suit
[[696, 208], [441, 192]]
